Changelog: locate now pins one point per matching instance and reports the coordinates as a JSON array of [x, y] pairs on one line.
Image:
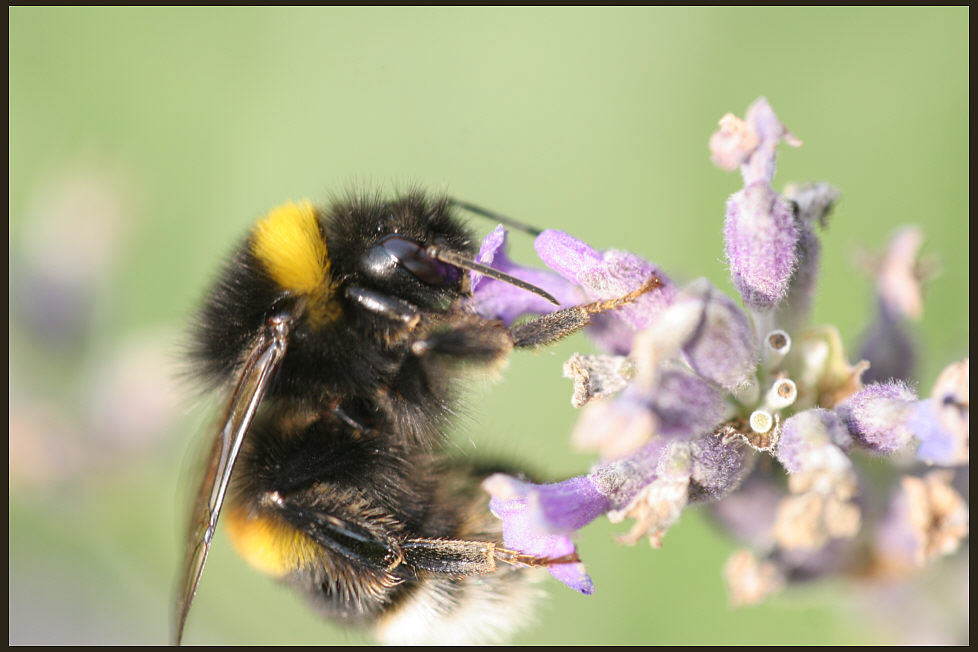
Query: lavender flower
[[499, 300], [697, 392], [608, 275]]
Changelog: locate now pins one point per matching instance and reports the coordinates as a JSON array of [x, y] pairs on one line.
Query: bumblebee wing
[[252, 383]]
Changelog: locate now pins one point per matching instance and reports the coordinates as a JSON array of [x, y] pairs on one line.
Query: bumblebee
[[337, 335]]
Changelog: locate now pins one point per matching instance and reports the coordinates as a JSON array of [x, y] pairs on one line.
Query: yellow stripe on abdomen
[[268, 543]]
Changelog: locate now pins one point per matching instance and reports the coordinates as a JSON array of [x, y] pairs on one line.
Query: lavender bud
[[623, 479], [761, 237], [878, 416], [721, 347], [718, 467], [814, 439], [794, 310]]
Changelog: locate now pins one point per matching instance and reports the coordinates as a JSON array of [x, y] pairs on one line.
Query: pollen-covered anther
[[781, 395], [761, 421]]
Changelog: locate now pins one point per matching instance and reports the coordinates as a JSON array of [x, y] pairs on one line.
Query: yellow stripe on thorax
[[269, 544], [288, 243]]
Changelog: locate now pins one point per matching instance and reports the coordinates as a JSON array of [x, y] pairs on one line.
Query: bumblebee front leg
[[476, 339], [555, 326], [463, 558]]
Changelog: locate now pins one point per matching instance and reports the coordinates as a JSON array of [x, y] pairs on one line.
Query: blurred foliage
[[143, 142]]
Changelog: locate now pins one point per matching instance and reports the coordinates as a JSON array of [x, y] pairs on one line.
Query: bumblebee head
[[297, 261]]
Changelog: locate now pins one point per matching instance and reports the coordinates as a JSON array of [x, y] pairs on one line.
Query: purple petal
[[608, 275], [761, 237], [496, 299], [538, 518], [623, 479], [938, 445], [878, 416], [574, 576]]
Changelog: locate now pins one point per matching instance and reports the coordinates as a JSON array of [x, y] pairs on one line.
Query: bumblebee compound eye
[[395, 251]]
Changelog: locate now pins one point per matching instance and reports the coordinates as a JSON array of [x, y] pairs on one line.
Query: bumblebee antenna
[[502, 219], [458, 260]]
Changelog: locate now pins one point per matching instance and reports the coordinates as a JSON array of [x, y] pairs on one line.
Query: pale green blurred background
[[143, 142]]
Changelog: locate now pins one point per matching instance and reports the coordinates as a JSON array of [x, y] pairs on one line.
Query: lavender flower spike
[[878, 416]]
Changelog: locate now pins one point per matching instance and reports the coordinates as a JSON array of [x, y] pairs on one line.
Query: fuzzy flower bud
[[761, 238], [720, 344], [718, 467], [814, 439], [813, 203], [889, 348], [878, 416]]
